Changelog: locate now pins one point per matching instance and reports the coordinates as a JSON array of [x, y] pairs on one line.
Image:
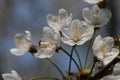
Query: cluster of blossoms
[[74, 32]]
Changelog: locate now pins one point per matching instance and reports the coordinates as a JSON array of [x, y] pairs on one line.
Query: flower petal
[[54, 22], [28, 35], [49, 33], [13, 76], [76, 23], [87, 15], [110, 56], [68, 41], [96, 48], [93, 1], [45, 52], [86, 33], [96, 16], [111, 77], [22, 42], [17, 52], [62, 13], [116, 69]]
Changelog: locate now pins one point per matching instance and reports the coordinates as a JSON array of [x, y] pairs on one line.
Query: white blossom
[[57, 22], [111, 77], [115, 75], [103, 49], [96, 16], [116, 69], [48, 44], [93, 1], [11, 76], [77, 33], [23, 43]]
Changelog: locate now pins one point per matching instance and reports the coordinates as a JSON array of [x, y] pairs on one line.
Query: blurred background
[[16, 16]]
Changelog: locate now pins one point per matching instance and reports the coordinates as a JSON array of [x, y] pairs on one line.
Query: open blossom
[[116, 69], [111, 77], [48, 44], [115, 75], [93, 1], [96, 16], [23, 43], [57, 22], [77, 33], [11, 76], [103, 49]]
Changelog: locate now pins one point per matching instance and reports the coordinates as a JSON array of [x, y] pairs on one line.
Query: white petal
[[93, 1], [76, 23], [16, 74], [8, 77], [116, 69], [69, 19], [62, 13], [104, 16], [111, 77], [108, 41], [87, 15], [87, 33], [17, 52], [96, 43], [45, 52], [54, 22], [66, 32], [110, 56], [96, 48], [28, 35], [13, 76], [49, 33], [22, 42], [68, 41]]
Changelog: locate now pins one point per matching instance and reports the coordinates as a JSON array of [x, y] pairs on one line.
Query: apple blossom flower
[[93, 1], [96, 16], [77, 33], [111, 77], [115, 75], [48, 44], [116, 69], [11, 76], [23, 43], [103, 49], [57, 22]]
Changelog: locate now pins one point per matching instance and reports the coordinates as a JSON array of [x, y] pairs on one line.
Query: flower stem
[[89, 46], [69, 68], [91, 69], [87, 53], [71, 58], [47, 77], [90, 62], [56, 66], [80, 63]]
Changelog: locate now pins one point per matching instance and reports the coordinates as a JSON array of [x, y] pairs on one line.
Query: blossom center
[[22, 43], [96, 18], [46, 44], [56, 20], [104, 48], [76, 34]]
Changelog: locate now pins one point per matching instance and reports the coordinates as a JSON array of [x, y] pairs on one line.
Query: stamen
[[96, 18], [104, 48], [76, 34]]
